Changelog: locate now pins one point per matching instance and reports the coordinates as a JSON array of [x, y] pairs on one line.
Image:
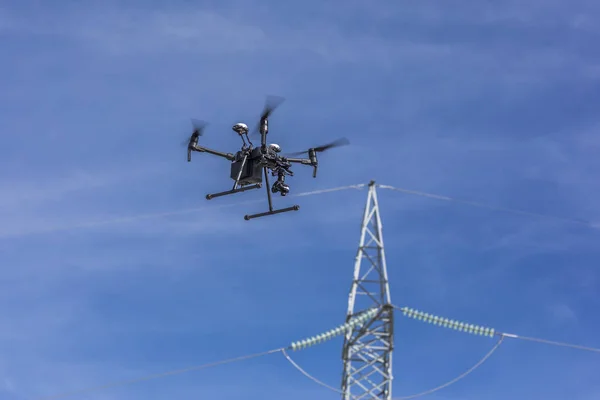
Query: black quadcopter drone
[[250, 163]]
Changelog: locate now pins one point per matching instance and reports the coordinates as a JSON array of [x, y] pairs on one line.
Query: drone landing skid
[[272, 212], [232, 191]]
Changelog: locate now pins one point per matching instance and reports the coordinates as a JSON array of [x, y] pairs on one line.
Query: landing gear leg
[[271, 211]]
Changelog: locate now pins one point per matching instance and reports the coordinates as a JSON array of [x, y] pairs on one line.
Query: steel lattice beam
[[367, 352]]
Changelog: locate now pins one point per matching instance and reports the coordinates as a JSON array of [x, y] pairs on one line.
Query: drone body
[[250, 171], [250, 165]]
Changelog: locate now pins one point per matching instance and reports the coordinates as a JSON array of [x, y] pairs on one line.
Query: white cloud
[[47, 203], [425, 74], [563, 314], [187, 31], [22, 191], [123, 31], [532, 12]]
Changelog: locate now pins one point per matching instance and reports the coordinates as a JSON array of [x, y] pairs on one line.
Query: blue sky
[[490, 103]]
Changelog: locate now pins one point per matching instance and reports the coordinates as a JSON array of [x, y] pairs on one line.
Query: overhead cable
[[489, 207]]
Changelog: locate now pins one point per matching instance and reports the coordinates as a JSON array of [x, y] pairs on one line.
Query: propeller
[[271, 103], [312, 152], [199, 127], [319, 149]]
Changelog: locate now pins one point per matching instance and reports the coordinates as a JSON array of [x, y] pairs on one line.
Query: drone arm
[[303, 161], [203, 149], [306, 161]]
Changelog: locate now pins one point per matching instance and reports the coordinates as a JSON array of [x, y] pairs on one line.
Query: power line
[[358, 320], [160, 375], [479, 330], [309, 376], [414, 396], [456, 325], [551, 342], [140, 217], [458, 378], [489, 207]]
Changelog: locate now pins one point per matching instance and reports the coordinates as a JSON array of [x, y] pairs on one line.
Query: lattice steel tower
[[367, 352]]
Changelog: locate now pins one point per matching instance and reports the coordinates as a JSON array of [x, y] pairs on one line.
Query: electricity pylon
[[367, 352]]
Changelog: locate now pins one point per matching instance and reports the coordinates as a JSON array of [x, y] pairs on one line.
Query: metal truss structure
[[367, 351]]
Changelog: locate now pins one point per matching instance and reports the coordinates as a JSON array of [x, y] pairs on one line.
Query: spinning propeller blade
[[271, 103], [335, 143], [199, 127], [193, 139]]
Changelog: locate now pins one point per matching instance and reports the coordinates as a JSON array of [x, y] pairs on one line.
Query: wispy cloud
[[485, 102], [563, 314], [20, 192]]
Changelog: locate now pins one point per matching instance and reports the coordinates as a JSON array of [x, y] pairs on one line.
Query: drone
[[250, 163]]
